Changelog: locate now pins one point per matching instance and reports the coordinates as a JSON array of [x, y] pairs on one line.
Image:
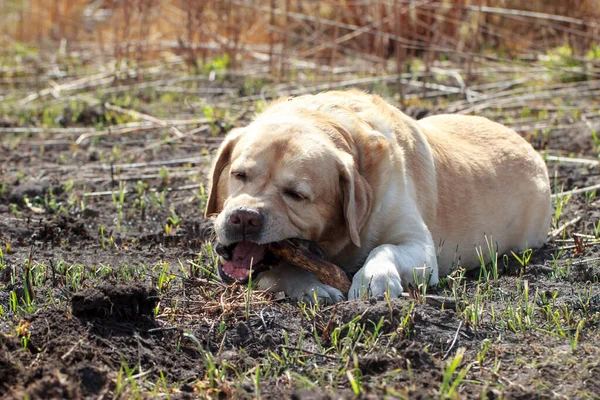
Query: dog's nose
[[247, 219]]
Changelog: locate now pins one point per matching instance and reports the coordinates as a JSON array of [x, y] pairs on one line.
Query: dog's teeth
[[223, 272]]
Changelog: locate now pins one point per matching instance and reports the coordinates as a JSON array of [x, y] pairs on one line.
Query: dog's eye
[[292, 194], [241, 176]]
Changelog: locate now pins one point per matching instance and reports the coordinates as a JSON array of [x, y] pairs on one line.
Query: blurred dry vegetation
[[524, 64], [384, 34]]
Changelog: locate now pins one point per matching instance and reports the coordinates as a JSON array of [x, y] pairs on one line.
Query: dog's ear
[[222, 161], [357, 197]]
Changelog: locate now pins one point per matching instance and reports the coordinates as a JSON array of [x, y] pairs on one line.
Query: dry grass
[[292, 32]]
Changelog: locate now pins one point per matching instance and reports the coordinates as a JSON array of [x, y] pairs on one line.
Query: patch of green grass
[[564, 64], [560, 202], [2, 260], [524, 258], [217, 64], [519, 315], [164, 277], [596, 141], [453, 376], [217, 116], [596, 229], [126, 381], [252, 86], [488, 271]]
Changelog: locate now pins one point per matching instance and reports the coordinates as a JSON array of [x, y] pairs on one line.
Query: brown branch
[[308, 256]]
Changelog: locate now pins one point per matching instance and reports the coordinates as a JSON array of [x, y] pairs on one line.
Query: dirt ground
[[106, 287]]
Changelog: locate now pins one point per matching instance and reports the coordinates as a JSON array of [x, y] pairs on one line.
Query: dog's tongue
[[244, 255]]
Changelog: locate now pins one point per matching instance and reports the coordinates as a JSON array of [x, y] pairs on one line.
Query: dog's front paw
[[316, 292], [375, 285], [298, 285]]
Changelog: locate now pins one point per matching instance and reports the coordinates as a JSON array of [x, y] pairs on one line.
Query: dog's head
[[293, 176]]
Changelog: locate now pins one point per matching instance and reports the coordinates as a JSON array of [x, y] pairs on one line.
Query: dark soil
[[115, 299]]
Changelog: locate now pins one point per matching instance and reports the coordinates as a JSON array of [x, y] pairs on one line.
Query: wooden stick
[[307, 255], [435, 301]]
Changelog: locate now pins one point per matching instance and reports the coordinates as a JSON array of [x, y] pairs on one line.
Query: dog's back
[[474, 178], [490, 182]]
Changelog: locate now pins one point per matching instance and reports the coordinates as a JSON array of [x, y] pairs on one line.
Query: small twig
[[28, 283], [149, 118], [453, 341], [137, 177], [111, 192], [435, 301], [162, 329], [178, 136], [68, 131], [142, 374], [560, 229], [586, 161], [576, 191], [189, 160], [587, 244], [114, 131], [85, 82], [309, 352], [136, 114], [137, 127], [64, 356]]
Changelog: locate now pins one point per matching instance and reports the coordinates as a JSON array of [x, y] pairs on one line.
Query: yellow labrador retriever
[[388, 198]]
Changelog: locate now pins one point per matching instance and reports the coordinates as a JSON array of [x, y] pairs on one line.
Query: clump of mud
[[115, 299], [10, 370]]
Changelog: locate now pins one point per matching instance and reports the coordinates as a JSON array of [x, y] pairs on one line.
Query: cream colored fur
[[382, 191]]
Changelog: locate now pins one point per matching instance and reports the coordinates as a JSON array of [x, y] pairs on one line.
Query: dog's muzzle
[[244, 224]]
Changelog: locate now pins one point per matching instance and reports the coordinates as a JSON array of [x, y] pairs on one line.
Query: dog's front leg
[[390, 267], [298, 285]]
